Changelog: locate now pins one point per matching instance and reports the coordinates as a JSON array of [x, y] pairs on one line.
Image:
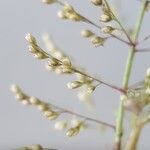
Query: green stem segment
[[128, 69]]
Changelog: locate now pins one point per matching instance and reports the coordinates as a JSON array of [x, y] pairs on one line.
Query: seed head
[[73, 131], [107, 29], [91, 89], [97, 41], [60, 125], [97, 2], [14, 88], [69, 13], [148, 91], [74, 84], [49, 1], [50, 114], [61, 15], [66, 62], [42, 106], [34, 100], [148, 72], [25, 102], [105, 18], [86, 33], [30, 38], [54, 116], [36, 147]]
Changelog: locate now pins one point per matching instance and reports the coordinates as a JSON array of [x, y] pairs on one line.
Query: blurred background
[[21, 125]]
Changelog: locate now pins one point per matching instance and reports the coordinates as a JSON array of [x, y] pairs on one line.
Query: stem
[[134, 137], [130, 58], [135, 133]]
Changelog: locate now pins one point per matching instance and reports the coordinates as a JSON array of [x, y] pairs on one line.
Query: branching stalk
[[128, 69], [119, 23], [63, 110], [102, 82], [86, 20], [98, 80]]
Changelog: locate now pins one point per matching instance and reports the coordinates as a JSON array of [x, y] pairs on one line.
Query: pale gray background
[[21, 125]]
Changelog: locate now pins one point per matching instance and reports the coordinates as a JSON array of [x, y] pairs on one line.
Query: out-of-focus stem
[[135, 133], [134, 137]]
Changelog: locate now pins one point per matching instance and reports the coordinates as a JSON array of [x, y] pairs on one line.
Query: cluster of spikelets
[[49, 111], [61, 64], [45, 108], [106, 17], [34, 147], [137, 99], [70, 13]]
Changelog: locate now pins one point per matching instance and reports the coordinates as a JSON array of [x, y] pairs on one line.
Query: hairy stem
[[128, 69]]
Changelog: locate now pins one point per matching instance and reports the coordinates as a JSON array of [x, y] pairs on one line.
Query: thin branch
[[145, 39], [120, 39], [143, 50], [99, 27], [63, 110], [42, 149], [138, 85], [123, 29], [92, 23], [102, 82], [120, 24]]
